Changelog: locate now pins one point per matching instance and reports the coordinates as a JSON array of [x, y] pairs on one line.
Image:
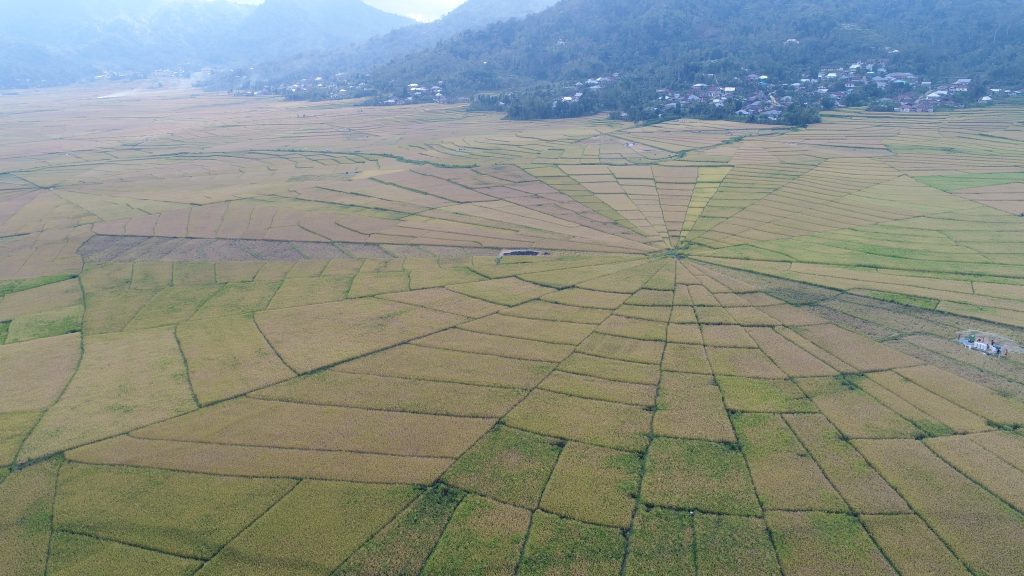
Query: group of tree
[[675, 43]]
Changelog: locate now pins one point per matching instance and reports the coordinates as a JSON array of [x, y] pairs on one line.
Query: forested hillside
[[681, 41], [379, 50]]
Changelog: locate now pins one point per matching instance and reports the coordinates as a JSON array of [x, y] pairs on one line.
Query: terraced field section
[[281, 344]]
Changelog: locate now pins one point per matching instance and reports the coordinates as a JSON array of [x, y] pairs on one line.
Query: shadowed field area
[[241, 336]]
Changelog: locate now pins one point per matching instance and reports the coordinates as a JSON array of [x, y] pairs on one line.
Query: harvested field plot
[[275, 338]]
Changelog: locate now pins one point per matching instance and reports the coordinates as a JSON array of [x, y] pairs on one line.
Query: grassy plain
[[242, 336]]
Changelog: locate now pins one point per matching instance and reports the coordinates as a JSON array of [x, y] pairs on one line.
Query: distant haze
[[422, 10]]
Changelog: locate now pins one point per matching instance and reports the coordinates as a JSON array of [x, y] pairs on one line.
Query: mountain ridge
[[61, 41]]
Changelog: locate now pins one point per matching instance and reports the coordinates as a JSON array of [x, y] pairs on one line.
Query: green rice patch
[[317, 290], [402, 548], [12, 286], [337, 388], [505, 291], [110, 310], [25, 511], [544, 310], [74, 555], [600, 388], [45, 324], [151, 275], [373, 283], [593, 421], [194, 273], [311, 530], [14, 426], [587, 298], [699, 475], [820, 543], [530, 329], [660, 544], [437, 276], [171, 306], [174, 512], [410, 361], [956, 182], [633, 328], [852, 476], [690, 406], [508, 465], [559, 546], [594, 484], [904, 299], [686, 358], [787, 478], [734, 546], [239, 299], [911, 546], [620, 370], [483, 538], [651, 298], [756, 395]]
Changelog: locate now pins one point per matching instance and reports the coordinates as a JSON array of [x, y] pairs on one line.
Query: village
[[754, 97], [757, 97]]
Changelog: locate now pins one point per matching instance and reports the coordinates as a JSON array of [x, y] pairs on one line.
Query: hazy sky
[[422, 10]]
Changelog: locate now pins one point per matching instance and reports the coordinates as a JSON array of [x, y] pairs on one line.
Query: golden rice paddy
[[242, 336]]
